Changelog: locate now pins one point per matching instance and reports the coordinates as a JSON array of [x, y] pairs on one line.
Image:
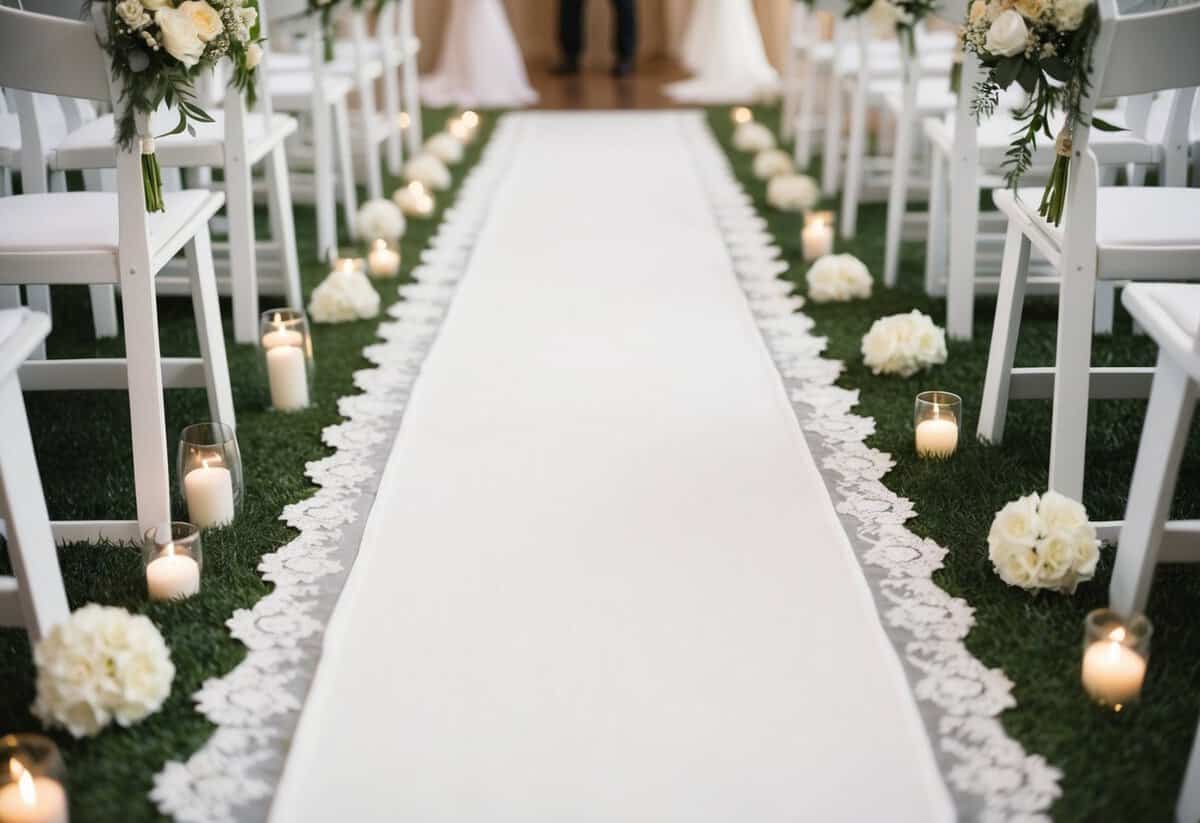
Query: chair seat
[[21, 332], [1170, 314], [292, 90], [934, 96], [91, 147], [53, 237]]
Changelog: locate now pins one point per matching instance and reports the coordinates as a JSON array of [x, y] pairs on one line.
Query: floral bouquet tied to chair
[[1046, 47], [157, 50]]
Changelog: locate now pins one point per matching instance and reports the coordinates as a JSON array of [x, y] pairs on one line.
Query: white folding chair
[[236, 141], [1108, 234], [78, 238], [33, 597]]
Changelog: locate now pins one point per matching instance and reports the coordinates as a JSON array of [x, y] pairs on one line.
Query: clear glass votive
[[1116, 650], [816, 238], [383, 260], [937, 418], [209, 465], [470, 119], [288, 358], [32, 780], [348, 260], [741, 114], [173, 558], [414, 199]]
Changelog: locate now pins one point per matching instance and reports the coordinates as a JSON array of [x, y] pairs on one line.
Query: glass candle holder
[[403, 120], [741, 114], [414, 199], [470, 118], [1115, 653], [348, 261], [384, 259], [287, 353], [937, 417], [459, 130], [32, 779], [817, 235], [209, 466], [173, 558]]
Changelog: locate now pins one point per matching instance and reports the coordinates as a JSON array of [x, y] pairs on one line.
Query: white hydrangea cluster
[[445, 147], [753, 137], [772, 163], [342, 297], [903, 344], [429, 171], [99, 665], [838, 278], [793, 192], [1043, 543], [379, 219]]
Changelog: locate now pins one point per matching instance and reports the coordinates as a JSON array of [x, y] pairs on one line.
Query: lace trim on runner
[[990, 775], [257, 705]]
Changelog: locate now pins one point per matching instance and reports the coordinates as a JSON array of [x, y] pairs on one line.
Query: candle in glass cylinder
[[30, 799], [172, 575], [459, 130], [414, 200], [817, 236], [287, 373], [1112, 672], [741, 114], [383, 261], [936, 437], [209, 493]]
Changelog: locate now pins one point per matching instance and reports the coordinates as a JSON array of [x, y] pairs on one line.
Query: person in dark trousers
[[570, 35]]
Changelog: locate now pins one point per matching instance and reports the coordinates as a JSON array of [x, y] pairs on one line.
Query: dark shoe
[[622, 68], [566, 68]]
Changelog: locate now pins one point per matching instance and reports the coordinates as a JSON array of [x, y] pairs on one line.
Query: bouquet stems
[[1055, 195], [151, 178]]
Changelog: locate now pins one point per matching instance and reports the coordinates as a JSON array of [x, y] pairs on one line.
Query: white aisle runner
[[603, 580]]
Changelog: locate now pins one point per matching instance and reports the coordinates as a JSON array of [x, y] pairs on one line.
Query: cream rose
[[978, 10], [1068, 14], [205, 18], [1060, 513], [253, 55], [753, 137], [1017, 565], [903, 344], [1008, 35], [133, 14], [344, 296], [379, 219], [793, 192], [772, 163], [445, 147], [1017, 522], [1043, 543], [1031, 10], [155, 5], [179, 36], [838, 278], [429, 171]]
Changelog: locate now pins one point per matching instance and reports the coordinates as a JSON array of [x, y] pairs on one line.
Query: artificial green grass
[[82, 445], [1125, 766]]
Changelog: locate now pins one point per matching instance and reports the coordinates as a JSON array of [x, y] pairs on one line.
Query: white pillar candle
[[741, 114], [382, 261], [816, 239], [414, 200], [1113, 672], [937, 437], [32, 799], [172, 576], [209, 494], [287, 372], [460, 131]]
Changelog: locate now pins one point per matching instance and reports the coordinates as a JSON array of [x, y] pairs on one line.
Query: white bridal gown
[[723, 49], [480, 63]]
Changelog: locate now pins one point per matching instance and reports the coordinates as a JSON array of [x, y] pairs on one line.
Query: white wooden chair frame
[[83, 71], [34, 596], [1121, 70]]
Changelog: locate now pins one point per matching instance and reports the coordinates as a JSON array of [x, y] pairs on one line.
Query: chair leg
[[323, 172], [104, 310], [367, 110], [391, 109], [1164, 435], [831, 152], [804, 128], [31, 547], [283, 228], [1072, 379], [935, 238], [207, 309], [964, 228], [38, 299], [412, 105], [1010, 301], [243, 266], [341, 132], [1187, 810], [147, 418], [855, 151], [898, 190], [1106, 307]]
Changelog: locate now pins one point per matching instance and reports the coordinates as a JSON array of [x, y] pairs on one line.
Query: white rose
[[1087, 551], [837, 278], [1007, 35], [344, 296], [254, 54], [429, 171], [1059, 513], [205, 18], [1016, 564], [772, 163], [753, 137], [1068, 14], [379, 218], [793, 192], [903, 344], [133, 14], [1017, 522], [155, 5], [179, 36], [1056, 559], [882, 16], [978, 11], [247, 16], [445, 147]]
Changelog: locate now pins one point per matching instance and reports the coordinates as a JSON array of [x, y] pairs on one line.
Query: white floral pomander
[[344, 296], [429, 171], [838, 278], [445, 147], [793, 192], [903, 344], [772, 163], [379, 219], [1043, 543], [753, 137], [99, 665]]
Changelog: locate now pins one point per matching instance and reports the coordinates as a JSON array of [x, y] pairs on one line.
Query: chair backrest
[[1139, 52], [52, 55]]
